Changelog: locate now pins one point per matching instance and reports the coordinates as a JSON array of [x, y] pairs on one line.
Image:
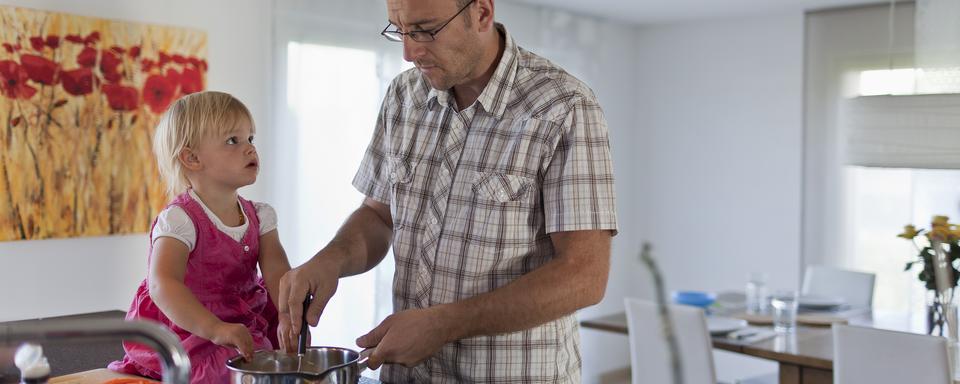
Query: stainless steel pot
[[327, 365]]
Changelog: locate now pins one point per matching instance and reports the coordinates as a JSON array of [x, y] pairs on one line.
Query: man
[[489, 172]]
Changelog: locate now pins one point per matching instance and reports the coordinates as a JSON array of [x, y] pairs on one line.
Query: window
[[880, 201], [333, 95]]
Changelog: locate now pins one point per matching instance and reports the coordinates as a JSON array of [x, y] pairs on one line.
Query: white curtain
[[919, 130], [903, 131]]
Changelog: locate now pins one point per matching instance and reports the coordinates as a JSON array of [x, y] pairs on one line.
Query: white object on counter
[[33, 365]]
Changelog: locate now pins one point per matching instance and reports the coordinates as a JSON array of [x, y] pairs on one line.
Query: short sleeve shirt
[[474, 195]]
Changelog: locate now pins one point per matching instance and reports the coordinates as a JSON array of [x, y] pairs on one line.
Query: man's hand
[[315, 276], [408, 337], [288, 337]]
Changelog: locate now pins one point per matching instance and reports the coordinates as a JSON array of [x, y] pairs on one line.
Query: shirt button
[[434, 220], [246, 248], [393, 175]]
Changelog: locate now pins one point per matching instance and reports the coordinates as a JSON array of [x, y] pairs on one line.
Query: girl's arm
[[273, 264], [168, 266]]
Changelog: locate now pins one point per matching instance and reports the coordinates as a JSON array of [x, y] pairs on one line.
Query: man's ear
[[484, 14], [190, 160]]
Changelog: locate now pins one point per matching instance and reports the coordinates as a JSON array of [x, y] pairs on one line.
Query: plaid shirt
[[474, 196]]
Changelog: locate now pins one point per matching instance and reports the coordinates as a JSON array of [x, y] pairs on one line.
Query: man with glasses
[[489, 173]]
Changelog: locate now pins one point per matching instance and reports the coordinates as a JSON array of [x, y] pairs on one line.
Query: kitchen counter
[[65, 357], [98, 376], [77, 363]]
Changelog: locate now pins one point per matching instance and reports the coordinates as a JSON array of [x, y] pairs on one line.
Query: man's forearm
[[360, 244], [559, 287]]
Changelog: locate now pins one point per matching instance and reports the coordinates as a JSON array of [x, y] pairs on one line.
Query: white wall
[[67, 276], [719, 139]]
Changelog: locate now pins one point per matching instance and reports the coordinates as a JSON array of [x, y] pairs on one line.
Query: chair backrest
[[869, 355], [854, 287], [649, 353]]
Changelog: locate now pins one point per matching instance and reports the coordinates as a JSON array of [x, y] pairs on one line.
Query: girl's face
[[229, 160]]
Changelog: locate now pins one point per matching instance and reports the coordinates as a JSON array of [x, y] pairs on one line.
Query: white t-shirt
[[174, 222]]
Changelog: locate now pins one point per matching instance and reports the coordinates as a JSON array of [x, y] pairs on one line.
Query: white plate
[[720, 325], [820, 301]]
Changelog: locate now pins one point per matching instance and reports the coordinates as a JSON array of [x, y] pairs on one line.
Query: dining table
[[804, 356]]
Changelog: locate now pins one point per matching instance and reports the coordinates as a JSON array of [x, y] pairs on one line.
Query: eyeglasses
[[396, 35]]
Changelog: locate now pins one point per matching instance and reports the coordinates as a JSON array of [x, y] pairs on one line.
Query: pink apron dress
[[222, 274]]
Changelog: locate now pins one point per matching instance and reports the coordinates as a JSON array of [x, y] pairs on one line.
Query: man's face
[[452, 56]]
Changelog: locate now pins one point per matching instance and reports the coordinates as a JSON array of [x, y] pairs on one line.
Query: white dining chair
[[854, 287], [864, 355], [649, 353]]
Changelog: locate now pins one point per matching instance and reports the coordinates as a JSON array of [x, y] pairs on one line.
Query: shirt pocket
[[501, 187], [401, 184], [503, 209]]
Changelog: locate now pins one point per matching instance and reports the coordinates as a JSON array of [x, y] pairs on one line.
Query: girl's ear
[[190, 160]]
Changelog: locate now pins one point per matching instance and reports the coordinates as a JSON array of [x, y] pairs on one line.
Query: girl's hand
[[234, 336]]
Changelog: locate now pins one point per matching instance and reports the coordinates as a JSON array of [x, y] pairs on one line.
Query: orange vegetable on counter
[[130, 380]]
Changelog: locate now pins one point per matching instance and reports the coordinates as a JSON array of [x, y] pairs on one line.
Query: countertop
[[77, 363]]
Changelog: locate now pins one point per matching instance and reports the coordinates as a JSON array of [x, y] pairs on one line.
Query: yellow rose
[[941, 233], [909, 232], [940, 221]]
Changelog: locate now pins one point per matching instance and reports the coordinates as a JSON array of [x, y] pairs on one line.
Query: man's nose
[[412, 50]]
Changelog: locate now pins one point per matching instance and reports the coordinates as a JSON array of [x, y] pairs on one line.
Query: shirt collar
[[493, 99]]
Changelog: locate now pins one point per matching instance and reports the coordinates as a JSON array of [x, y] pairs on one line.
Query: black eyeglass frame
[[427, 36]]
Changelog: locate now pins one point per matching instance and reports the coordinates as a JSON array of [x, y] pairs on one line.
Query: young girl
[[205, 245]]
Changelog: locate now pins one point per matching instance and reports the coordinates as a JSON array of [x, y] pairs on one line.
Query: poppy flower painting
[[80, 98]]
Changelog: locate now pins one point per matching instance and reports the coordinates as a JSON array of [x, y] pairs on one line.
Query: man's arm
[[359, 245], [576, 278]]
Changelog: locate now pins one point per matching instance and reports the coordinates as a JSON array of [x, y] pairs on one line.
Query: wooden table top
[[808, 346]]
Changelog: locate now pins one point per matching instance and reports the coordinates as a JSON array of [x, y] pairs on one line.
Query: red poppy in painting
[[37, 43], [53, 41], [134, 51], [74, 39], [158, 92], [13, 81], [40, 69], [120, 97], [93, 37], [191, 81], [87, 57], [78, 81], [8, 47], [146, 65], [164, 58], [110, 66], [179, 59], [118, 50], [173, 76]]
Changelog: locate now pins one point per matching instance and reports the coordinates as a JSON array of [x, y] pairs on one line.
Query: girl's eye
[[232, 140], [250, 139]]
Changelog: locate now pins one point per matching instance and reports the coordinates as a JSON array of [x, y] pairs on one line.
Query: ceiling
[[669, 11]]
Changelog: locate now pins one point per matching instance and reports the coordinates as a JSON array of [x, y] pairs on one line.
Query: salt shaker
[[756, 294]]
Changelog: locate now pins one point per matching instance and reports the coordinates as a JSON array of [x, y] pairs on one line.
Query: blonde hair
[[186, 123]]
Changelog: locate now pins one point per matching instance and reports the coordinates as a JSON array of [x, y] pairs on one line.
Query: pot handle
[[364, 356]]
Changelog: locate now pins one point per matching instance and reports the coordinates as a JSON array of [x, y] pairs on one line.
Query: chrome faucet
[[176, 363]]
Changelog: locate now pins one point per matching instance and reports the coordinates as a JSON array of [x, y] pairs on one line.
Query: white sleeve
[[174, 222], [267, 216]]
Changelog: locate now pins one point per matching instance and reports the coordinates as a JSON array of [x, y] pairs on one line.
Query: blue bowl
[[694, 298]]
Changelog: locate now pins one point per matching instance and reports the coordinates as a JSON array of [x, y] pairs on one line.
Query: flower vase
[[937, 314]]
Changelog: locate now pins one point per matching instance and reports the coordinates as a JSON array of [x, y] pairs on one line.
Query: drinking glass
[[784, 305]]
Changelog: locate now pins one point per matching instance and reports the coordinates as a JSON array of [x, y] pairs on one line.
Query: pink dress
[[222, 274]]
